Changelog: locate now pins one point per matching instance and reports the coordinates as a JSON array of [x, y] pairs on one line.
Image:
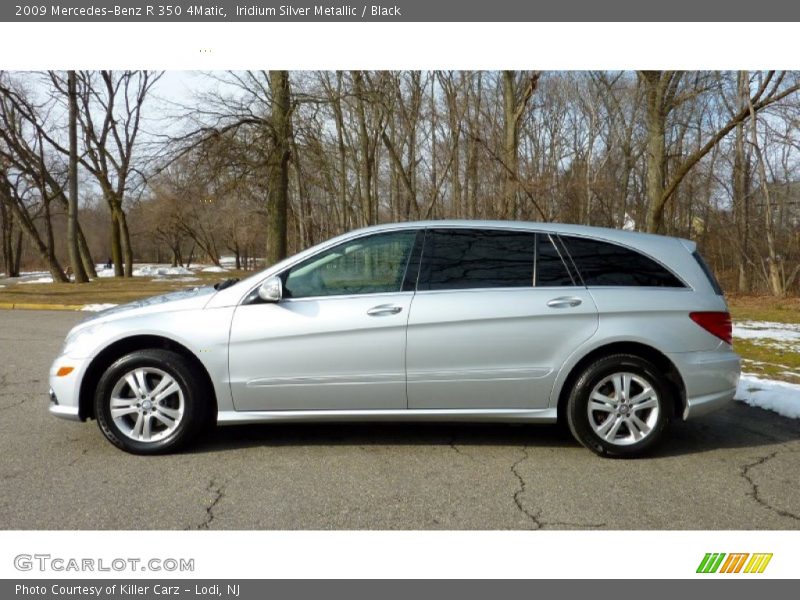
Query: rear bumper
[[710, 379], [702, 405]]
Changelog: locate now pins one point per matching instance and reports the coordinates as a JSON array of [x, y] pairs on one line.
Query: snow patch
[[159, 279], [767, 330], [48, 279], [777, 396], [213, 269], [160, 271], [102, 272], [97, 307]]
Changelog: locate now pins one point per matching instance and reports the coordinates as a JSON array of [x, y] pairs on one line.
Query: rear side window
[[457, 259], [709, 273], [550, 268], [602, 263]]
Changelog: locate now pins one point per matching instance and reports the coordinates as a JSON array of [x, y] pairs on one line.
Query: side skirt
[[541, 415]]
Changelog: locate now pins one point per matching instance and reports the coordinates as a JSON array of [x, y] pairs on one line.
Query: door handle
[[564, 302], [384, 309]]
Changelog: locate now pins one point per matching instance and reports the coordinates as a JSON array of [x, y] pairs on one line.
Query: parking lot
[[737, 469]]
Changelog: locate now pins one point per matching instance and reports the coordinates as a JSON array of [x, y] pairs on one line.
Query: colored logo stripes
[[737, 562]]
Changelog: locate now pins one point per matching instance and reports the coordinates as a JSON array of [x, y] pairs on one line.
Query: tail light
[[715, 323]]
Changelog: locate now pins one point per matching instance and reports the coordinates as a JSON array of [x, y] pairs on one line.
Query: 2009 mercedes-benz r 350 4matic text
[[615, 332]]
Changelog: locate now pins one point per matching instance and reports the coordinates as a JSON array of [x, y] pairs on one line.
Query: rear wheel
[[150, 402], [619, 406]]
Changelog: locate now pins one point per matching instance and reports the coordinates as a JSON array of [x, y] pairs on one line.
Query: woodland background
[[260, 164]]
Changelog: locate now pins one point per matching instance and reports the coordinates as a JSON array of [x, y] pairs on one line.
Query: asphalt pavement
[[736, 469]]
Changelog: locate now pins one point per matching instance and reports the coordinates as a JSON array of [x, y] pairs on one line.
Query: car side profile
[[613, 332]]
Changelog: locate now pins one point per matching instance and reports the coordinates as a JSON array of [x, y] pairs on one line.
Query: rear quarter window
[[708, 273], [606, 264]]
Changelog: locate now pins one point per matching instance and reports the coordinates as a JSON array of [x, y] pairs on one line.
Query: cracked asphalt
[[737, 469]]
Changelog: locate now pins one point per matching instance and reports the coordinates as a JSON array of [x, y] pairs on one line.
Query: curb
[[38, 306]]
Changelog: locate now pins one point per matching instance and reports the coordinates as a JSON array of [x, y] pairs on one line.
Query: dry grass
[[768, 360], [763, 357], [106, 290], [765, 308]]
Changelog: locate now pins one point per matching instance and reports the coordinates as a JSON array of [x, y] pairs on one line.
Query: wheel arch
[[116, 350], [655, 356]]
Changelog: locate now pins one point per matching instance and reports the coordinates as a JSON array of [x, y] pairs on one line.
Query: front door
[[337, 339]]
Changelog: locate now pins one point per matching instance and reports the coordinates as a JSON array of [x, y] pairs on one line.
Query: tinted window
[[457, 259], [367, 265], [550, 268], [602, 263], [708, 272]]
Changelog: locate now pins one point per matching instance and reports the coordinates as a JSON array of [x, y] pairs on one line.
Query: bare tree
[[72, 217], [278, 165], [515, 101], [664, 93]]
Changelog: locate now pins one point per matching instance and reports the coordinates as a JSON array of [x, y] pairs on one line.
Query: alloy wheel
[[147, 404], [623, 408]]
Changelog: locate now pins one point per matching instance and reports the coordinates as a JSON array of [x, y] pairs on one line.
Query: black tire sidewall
[[577, 405], [180, 370]]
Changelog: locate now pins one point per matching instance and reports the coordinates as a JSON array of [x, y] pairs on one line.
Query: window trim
[[561, 253]]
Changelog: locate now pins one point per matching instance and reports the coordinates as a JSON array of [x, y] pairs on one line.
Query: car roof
[[631, 238]]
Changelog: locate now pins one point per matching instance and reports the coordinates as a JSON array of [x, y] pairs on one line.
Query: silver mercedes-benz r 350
[[613, 332]]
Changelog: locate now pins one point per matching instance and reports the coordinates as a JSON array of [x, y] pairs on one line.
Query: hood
[[181, 300]]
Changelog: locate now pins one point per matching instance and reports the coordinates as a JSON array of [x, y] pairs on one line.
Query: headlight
[[78, 341]]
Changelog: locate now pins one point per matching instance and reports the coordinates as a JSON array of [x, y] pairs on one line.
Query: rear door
[[495, 315]]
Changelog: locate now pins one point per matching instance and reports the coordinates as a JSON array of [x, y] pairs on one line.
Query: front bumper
[[65, 389], [710, 378]]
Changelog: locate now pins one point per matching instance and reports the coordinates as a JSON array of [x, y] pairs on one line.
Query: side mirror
[[271, 290]]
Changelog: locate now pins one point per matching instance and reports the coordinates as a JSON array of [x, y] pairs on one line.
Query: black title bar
[[401, 11]]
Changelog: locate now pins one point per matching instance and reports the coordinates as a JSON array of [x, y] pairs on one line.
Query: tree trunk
[[344, 218], [741, 190], [127, 249], [775, 279], [72, 212], [656, 142], [365, 163], [86, 255], [508, 204], [278, 166], [472, 161], [116, 244], [8, 241], [45, 252], [513, 110], [17, 254]]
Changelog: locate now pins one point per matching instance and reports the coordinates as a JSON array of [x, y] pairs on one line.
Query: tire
[[158, 401], [612, 425]]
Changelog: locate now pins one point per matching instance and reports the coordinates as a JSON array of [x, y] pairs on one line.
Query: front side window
[[368, 265], [456, 259], [605, 264]]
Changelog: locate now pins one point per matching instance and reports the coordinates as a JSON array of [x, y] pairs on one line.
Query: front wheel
[[150, 402], [619, 406]]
